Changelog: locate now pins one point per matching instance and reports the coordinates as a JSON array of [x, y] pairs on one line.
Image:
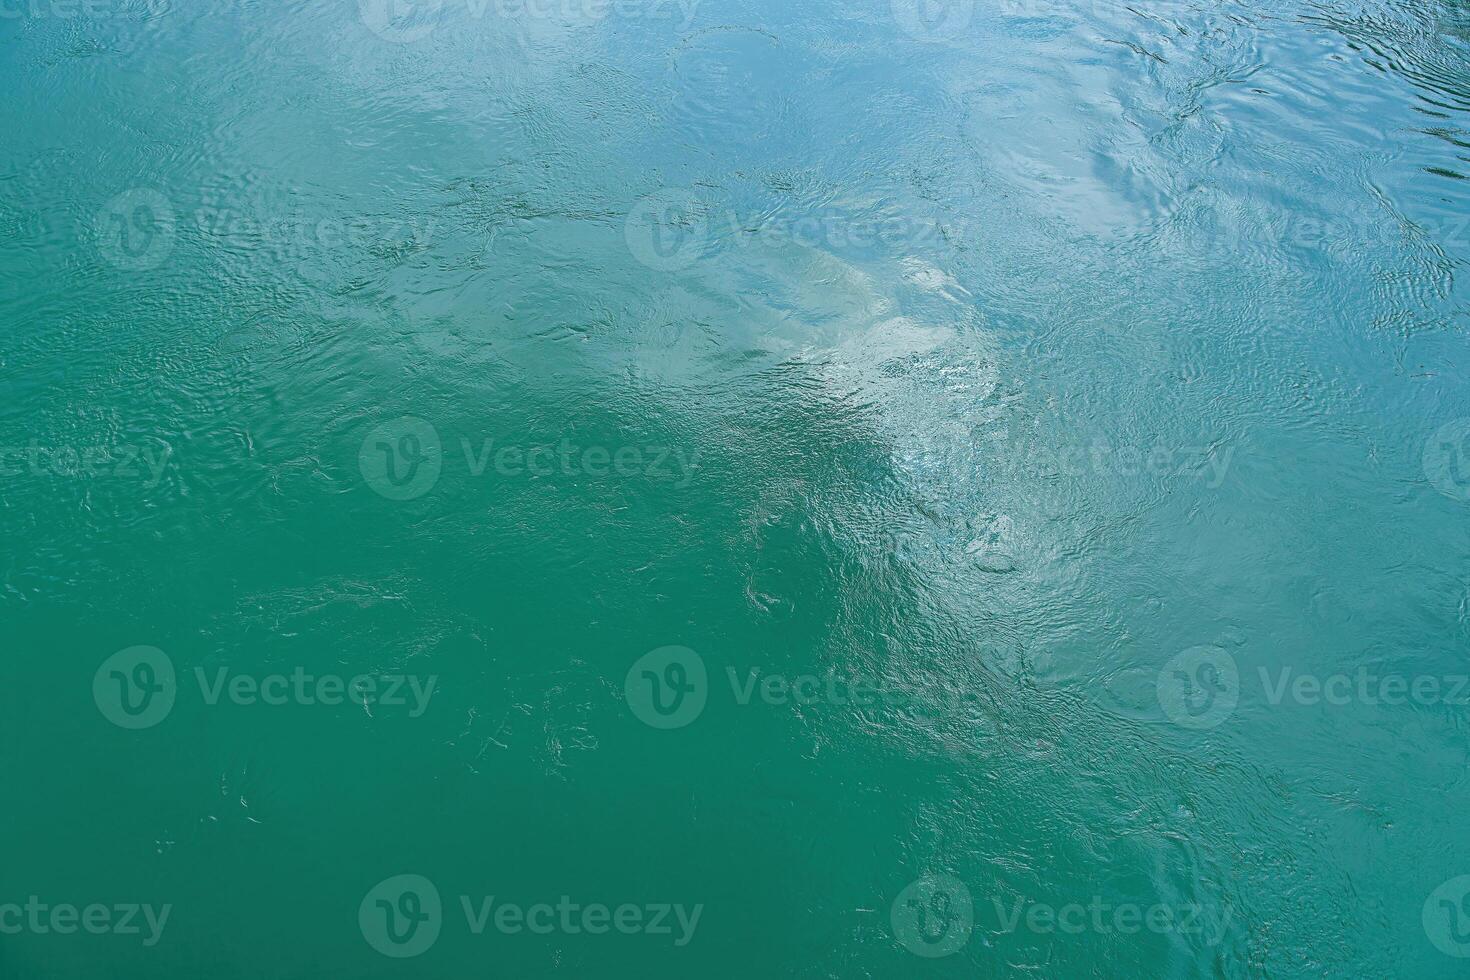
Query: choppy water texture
[[1076, 373]]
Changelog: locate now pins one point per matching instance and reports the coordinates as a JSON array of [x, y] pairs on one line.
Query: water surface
[[1079, 374]]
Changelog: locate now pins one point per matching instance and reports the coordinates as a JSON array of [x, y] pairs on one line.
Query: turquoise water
[[734, 489]]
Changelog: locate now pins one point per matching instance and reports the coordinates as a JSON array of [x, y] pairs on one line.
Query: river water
[[734, 488]]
